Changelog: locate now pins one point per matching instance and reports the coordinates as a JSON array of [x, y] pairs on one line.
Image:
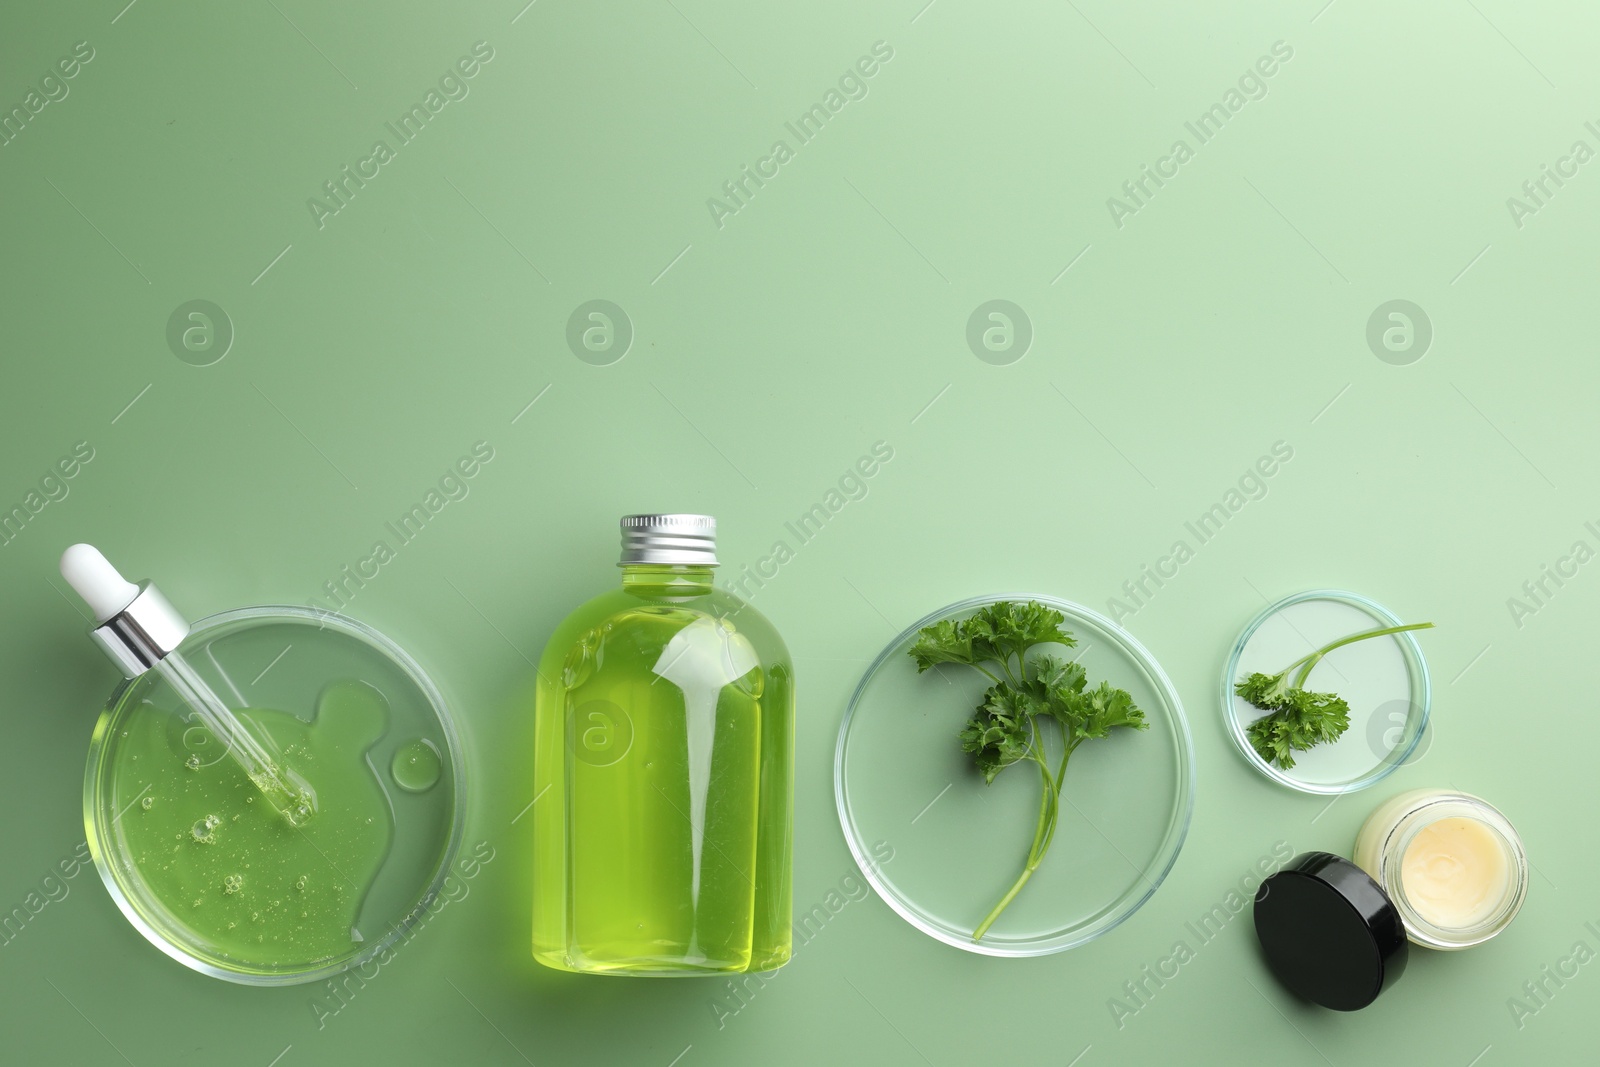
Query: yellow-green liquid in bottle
[[663, 772]]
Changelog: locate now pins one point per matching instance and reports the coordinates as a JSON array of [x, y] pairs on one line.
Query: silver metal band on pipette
[[143, 633]]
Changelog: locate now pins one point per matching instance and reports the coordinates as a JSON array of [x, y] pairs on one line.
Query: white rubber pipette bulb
[[93, 577]]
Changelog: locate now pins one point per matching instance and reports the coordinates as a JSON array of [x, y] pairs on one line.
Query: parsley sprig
[[1030, 699], [1299, 719]]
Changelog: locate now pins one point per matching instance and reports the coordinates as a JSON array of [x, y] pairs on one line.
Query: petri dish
[[1384, 680], [941, 847], [207, 871]]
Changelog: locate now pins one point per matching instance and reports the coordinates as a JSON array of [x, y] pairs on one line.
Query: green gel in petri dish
[[416, 766], [255, 886], [207, 870]]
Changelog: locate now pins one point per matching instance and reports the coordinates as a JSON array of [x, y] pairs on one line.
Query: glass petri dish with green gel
[[939, 846], [1384, 680], [203, 865]]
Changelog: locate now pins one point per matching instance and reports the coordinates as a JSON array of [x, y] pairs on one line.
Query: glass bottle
[[663, 771]]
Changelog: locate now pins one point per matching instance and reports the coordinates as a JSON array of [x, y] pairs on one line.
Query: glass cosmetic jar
[[1451, 862]]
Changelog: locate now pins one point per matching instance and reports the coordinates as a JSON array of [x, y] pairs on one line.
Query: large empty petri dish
[[941, 847], [1384, 680], [207, 870]]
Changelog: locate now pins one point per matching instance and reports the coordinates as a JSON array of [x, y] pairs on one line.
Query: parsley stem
[[1049, 809], [1314, 658], [1047, 819], [983, 927], [1061, 778]]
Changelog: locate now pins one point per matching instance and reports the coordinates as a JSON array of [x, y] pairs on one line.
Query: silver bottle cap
[[687, 540]]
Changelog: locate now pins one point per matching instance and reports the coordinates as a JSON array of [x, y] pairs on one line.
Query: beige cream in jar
[[1451, 862]]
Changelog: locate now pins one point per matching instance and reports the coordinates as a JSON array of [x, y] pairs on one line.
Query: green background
[[768, 354]]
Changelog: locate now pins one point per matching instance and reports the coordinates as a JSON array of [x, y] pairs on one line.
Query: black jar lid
[[1329, 932]]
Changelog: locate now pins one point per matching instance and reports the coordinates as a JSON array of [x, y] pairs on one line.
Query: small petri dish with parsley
[[1014, 775], [1327, 692]]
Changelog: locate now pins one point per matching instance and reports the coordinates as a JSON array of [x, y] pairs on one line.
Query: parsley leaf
[[1299, 719], [943, 642], [1053, 675], [999, 734], [997, 633], [1102, 709], [1001, 631]]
